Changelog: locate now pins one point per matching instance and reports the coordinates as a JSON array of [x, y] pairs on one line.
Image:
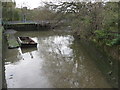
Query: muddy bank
[[113, 52], [106, 64]]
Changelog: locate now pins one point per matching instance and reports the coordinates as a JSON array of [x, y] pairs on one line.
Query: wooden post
[[0, 13]]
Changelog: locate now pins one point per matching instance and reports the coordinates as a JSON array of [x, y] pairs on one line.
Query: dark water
[[59, 61]]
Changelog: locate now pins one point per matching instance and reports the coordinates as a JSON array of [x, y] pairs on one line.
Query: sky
[[32, 3], [29, 3], [35, 3]]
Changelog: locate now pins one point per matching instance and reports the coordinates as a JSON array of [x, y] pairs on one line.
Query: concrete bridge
[[27, 25]]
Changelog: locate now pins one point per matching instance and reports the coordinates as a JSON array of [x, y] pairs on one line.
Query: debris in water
[[11, 78], [31, 55], [110, 73], [11, 75], [111, 63]]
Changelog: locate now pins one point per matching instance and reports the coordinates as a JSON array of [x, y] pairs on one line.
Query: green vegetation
[[12, 42], [107, 38], [97, 22], [40, 13], [10, 13], [92, 21]]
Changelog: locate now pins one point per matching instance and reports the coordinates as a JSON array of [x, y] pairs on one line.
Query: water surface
[[59, 61]]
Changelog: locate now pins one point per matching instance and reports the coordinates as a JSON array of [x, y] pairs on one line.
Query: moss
[[12, 42]]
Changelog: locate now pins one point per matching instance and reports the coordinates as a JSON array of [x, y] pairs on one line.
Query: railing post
[[0, 13]]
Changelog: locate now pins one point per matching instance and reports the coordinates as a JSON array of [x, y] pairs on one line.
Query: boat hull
[[26, 43]]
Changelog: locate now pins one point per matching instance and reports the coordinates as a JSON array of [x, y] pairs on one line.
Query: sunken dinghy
[[26, 42]]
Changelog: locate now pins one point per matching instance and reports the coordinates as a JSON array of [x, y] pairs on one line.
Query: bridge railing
[[28, 22]]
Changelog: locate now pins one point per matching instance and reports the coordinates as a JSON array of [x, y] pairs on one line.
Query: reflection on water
[[56, 62]]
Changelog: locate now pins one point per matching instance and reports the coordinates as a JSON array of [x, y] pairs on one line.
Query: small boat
[[26, 42]]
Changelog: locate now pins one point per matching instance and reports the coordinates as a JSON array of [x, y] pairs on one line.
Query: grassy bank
[[109, 42]]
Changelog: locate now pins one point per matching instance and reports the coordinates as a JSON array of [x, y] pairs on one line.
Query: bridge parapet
[[28, 25]]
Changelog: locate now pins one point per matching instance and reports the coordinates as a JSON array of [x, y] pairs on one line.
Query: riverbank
[[106, 64], [110, 47], [111, 51]]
